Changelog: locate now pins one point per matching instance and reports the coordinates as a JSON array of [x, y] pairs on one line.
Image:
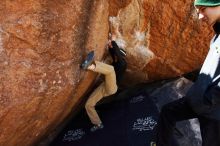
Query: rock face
[[163, 38], [42, 44]]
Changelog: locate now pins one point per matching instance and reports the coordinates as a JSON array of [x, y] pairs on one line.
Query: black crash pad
[[126, 116], [127, 122]]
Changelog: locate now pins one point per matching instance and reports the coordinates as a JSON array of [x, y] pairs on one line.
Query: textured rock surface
[[162, 38], [43, 42], [41, 46]]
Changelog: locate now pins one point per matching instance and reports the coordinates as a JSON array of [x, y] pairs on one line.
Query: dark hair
[[216, 27], [114, 45], [116, 48]]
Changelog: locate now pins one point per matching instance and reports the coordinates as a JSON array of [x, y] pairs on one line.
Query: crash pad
[[130, 121]]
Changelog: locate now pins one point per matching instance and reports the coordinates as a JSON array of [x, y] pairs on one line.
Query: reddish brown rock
[[43, 42], [178, 41], [163, 38]]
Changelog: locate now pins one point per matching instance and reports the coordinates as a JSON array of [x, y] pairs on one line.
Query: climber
[[113, 75], [202, 101]]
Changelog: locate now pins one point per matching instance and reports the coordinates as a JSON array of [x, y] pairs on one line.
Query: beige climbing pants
[[106, 88]]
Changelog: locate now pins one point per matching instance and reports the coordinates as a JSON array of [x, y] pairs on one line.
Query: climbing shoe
[[153, 144], [97, 127], [88, 61]]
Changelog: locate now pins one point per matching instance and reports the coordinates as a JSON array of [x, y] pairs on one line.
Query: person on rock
[[113, 75], [202, 101]]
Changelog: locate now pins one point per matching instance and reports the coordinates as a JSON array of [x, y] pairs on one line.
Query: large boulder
[[162, 37], [43, 42]]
